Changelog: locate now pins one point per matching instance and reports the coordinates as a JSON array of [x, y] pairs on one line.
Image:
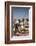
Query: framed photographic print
[[19, 22]]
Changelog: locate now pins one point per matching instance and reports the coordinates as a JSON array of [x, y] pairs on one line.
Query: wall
[[2, 24], [35, 22]]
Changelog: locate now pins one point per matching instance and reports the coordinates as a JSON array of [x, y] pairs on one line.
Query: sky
[[20, 12]]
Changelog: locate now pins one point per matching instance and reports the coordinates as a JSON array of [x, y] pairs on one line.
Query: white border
[[30, 24]]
